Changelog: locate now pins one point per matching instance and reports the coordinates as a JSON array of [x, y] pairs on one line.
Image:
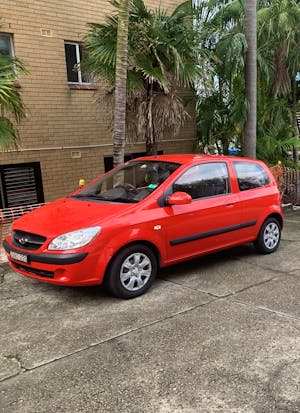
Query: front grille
[[27, 241], [35, 271]]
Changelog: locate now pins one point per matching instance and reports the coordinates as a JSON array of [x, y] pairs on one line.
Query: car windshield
[[130, 183]]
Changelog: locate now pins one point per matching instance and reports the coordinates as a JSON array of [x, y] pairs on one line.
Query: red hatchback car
[[148, 213]]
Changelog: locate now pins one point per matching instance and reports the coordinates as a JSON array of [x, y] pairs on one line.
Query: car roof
[[192, 158]]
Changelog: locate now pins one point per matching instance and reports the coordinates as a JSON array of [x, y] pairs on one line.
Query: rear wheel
[[269, 236], [132, 271]]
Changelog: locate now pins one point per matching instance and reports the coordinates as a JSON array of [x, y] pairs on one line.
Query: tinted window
[[250, 175], [204, 180]]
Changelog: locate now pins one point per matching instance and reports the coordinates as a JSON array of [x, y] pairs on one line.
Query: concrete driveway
[[218, 334]]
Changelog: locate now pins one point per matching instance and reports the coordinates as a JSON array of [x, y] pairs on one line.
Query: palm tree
[[11, 103], [223, 113], [162, 57], [279, 31], [222, 110], [121, 79], [250, 78]]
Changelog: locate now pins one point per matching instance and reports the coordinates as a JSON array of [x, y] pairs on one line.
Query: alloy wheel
[[271, 235], [135, 271]]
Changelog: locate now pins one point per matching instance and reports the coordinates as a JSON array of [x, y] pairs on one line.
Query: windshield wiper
[[103, 198], [94, 196], [125, 200]]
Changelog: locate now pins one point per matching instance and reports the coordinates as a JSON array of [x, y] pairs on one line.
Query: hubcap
[[271, 235], [135, 271]]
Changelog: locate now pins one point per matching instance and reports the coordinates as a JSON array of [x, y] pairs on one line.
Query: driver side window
[[204, 180]]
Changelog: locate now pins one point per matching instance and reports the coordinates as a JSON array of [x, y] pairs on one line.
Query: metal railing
[[288, 181], [10, 214]]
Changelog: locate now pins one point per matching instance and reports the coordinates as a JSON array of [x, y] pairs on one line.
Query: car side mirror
[[179, 198]]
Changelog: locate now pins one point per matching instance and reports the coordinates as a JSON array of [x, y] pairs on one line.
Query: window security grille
[[20, 184]]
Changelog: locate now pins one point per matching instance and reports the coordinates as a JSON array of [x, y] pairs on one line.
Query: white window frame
[[11, 44], [78, 61]]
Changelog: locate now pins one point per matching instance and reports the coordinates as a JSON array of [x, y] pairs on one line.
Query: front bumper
[[71, 269], [46, 258]]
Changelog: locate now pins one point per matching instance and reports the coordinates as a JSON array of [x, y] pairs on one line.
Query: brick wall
[[59, 120]]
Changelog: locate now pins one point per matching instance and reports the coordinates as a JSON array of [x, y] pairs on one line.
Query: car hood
[[67, 214]]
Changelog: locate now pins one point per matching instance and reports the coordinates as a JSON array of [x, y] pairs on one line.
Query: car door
[[211, 221]]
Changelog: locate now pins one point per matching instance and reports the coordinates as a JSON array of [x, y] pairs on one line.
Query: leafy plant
[[162, 59], [11, 102], [224, 111]]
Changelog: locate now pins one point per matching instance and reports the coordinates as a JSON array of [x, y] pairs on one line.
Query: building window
[[6, 48], [73, 52], [20, 184]]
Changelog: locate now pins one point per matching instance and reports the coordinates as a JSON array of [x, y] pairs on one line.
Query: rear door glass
[[250, 175]]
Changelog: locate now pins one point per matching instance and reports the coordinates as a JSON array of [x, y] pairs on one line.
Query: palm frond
[[9, 137], [10, 98]]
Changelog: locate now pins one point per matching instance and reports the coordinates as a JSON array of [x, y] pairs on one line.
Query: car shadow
[[222, 257], [90, 293], [96, 292]]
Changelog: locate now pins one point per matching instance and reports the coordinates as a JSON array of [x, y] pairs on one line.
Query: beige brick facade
[[66, 130]]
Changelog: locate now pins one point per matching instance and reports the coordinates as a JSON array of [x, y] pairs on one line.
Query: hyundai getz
[[148, 213]]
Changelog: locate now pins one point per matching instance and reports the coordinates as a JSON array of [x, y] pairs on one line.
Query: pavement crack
[[16, 359], [253, 285], [99, 343], [266, 309], [224, 295], [263, 267], [187, 287]]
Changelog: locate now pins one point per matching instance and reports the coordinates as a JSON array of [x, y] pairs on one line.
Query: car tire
[[131, 272], [269, 236]]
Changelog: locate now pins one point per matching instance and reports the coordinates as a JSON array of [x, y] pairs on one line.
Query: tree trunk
[[151, 145], [250, 79], [121, 79], [151, 149], [294, 115]]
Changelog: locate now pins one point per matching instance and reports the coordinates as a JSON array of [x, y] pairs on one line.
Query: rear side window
[[204, 180], [250, 175]]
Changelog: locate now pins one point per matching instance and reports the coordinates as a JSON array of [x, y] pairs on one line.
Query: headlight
[[74, 239]]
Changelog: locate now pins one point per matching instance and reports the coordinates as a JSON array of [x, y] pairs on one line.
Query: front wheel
[[269, 236], [132, 271]]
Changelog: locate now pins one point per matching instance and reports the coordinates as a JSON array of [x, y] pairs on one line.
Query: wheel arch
[[148, 244], [277, 216]]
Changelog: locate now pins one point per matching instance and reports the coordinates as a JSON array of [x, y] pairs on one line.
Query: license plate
[[18, 257]]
